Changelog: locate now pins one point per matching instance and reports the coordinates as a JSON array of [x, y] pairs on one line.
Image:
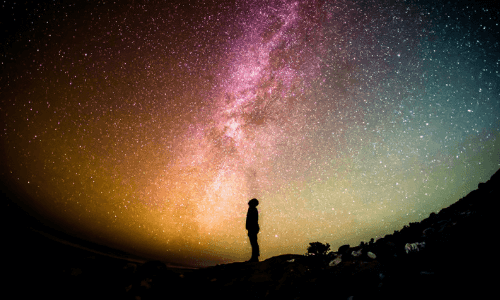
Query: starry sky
[[148, 125]]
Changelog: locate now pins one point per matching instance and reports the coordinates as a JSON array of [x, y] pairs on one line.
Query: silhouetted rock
[[428, 232], [343, 249]]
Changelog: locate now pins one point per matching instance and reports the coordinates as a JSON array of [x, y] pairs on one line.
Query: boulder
[[343, 249]]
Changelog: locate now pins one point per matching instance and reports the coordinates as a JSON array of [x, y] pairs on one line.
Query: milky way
[[148, 126]]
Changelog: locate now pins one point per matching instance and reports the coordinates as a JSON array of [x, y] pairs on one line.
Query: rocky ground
[[446, 256]]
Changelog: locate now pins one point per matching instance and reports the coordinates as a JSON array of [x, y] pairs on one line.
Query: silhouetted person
[[253, 228]]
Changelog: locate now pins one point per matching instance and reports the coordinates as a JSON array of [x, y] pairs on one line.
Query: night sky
[[149, 125]]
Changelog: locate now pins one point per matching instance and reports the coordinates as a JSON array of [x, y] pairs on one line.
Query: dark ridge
[[445, 256]]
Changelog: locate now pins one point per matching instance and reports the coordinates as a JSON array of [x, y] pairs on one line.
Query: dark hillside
[[445, 256]]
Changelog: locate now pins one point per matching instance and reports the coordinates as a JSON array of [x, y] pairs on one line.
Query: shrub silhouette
[[318, 249]]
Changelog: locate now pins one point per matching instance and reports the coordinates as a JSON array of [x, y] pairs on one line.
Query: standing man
[[253, 228]]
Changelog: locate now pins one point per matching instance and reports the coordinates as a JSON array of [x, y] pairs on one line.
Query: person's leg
[[255, 246]]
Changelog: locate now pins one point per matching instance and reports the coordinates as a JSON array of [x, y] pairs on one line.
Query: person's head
[[254, 202]]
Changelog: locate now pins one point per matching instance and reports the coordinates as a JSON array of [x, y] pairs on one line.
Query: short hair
[[253, 202]]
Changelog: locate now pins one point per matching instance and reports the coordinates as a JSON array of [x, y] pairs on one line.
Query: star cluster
[[148, 125]]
